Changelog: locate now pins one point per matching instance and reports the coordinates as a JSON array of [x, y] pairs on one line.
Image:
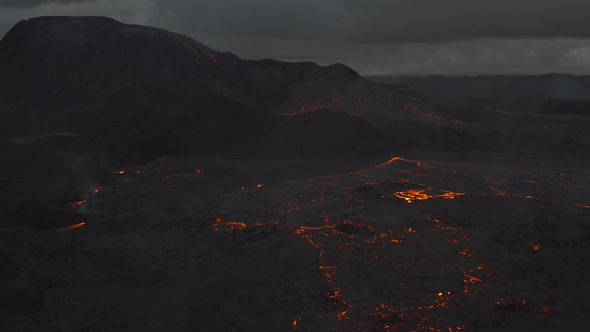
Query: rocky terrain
[[149, 182]]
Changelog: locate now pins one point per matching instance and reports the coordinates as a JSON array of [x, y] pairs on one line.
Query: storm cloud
[[373, 37]]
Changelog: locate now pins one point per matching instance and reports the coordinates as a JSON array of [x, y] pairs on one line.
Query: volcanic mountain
[[81, 95], [139, 86]]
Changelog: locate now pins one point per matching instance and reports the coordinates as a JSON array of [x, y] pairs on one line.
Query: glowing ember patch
[[198, 171], [137, 172], [214, 58], [260, 185], [583, 206], [416, 110], [82, 202], [96, 190], [231, 225], [469, 279], [467, 253], [192, 49], [68, 228], [310, 108], [120, 172], [543, 308], [413, 195], [535, 246], [343, 314]]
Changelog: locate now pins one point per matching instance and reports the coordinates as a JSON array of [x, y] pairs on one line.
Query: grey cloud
[[377, 36], [31, 3], [380, 20], [480, 56], [129, 11]]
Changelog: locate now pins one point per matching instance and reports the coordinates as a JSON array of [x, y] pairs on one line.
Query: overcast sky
[[461, 37]]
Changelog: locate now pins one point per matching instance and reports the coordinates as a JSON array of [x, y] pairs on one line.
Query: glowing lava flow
[[313, 107], [416, 110], [192, 49], [70, 227], [413, 195], [230, 225], [381, 268]]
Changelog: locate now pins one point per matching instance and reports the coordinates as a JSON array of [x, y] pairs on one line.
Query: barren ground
[[423, 242]]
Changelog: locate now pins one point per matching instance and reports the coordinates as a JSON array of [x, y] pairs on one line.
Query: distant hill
[[508, 93], [559, 86]]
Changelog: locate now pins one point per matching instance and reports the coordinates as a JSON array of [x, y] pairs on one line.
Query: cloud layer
[[378, 36]]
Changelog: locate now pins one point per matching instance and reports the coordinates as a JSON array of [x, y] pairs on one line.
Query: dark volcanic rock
[[306, 71], [80, 96], [140, 90], [559, 106], [320, 133]]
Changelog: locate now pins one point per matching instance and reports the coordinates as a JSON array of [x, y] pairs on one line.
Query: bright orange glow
[[343, 314], [535, 246], [231, 225], [413, 195], [469, 279], [96, 190], [348, 238], [120, 172], [68, 228], [78, 203]]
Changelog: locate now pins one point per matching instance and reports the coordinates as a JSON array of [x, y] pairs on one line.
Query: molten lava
[[413, 195], [82, 202], [435, 279], [70, 227], [313, 107], [416, 110]]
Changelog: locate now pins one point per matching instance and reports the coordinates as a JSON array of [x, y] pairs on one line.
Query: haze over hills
[[149, 182], [509, 93]]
